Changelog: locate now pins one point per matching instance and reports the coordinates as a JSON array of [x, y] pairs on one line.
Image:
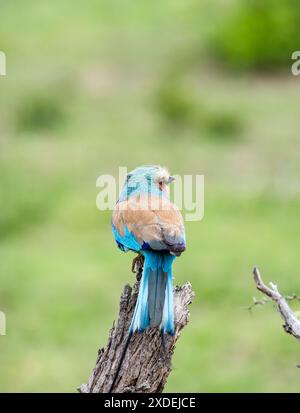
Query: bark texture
[[146, 366], [291, 323]]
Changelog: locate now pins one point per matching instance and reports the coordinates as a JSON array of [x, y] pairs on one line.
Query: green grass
[[61, 274]]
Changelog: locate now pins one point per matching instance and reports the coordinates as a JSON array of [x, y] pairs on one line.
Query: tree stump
[[146, 365]]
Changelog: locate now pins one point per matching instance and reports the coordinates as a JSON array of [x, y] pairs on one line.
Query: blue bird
[[145, 221]]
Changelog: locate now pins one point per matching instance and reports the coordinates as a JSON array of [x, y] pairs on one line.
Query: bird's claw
[[137, 263]]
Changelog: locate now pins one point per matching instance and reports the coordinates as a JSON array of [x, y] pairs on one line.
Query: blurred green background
[[201, 87]]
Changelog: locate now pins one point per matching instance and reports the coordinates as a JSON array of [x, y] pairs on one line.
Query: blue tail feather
[[140, 319], [154, 305], [168, 313]]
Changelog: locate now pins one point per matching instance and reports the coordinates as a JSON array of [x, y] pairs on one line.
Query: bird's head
[[150, 176]]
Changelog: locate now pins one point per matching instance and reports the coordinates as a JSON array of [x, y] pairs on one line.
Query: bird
[[145, 221]]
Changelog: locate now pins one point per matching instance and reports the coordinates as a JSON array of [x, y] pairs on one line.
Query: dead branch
[[291, 322]]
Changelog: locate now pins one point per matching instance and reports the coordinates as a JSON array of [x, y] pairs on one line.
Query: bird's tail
[[154, 305]]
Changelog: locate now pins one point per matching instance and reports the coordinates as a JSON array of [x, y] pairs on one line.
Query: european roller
[[145, 221]]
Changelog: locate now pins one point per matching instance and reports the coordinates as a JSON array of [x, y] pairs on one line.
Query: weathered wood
[[146, 366], [291, 322]]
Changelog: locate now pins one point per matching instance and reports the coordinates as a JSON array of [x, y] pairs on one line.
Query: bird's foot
[[137, 263]]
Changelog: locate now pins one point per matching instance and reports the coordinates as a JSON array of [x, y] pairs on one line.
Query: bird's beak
[[171, 179]]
